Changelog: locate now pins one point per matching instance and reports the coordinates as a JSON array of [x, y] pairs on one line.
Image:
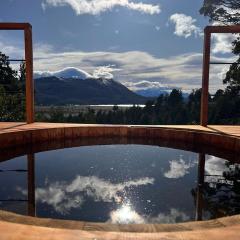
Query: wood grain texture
[[17, 134], [21, 126], [13, 231]]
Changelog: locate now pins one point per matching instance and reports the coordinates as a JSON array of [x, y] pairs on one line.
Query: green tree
[[223, 11], [22, 76], [8, 76], [233, 79], [12, 98]]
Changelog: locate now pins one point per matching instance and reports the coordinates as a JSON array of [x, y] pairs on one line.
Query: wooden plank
[[18, 126], [15, 231]]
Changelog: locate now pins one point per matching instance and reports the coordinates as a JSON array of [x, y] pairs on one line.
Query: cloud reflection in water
[[179, 168], [63, 196]]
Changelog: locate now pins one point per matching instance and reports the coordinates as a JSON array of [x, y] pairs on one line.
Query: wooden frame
[[206, 65], [27, 28]]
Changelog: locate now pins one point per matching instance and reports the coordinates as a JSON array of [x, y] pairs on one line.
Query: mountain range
[[73, 86]]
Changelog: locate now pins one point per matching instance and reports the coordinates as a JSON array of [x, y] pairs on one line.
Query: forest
[[166, 109]]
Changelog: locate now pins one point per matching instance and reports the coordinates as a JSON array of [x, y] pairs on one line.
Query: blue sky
[[143, 44]]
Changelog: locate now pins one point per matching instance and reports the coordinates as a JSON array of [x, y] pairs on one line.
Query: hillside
[[54, 90]]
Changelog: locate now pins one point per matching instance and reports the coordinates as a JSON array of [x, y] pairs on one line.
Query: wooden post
[[31, 185], [205, 77], [199, 194], [29, 74]]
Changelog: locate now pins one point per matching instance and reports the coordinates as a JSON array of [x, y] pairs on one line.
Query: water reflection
[[30, 193], [31, 185], [200, 186], [63, 196], [216, 191], [179, 168], [125, 215]]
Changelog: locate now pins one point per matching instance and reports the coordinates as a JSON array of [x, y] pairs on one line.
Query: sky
[[143, 44]]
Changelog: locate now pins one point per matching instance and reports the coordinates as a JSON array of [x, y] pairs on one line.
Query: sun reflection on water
[[125, 215]]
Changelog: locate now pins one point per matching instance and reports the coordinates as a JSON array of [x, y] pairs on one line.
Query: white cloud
[[215, 166], [134, 66], [104, 72], [143, 85], [147, 88], [183, 71], [179, 168], [68, 72], [64, 196], [95, 7], [11, 49], [222, 43], [55, 195], [185, 25]]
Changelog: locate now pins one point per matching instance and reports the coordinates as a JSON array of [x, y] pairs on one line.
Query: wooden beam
[[14, 26], [223, 29], [205, 77], [29, 75]]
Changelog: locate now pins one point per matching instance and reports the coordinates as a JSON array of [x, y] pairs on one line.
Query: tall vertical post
[[205, 77], [199, 196], [29, 74], [31, 185]]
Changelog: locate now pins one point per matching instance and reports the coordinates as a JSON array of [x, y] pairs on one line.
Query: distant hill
[[153, 93], [52, 90]]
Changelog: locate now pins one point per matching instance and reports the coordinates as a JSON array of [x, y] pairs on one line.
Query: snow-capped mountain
[[69, 72], [61, 87]]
